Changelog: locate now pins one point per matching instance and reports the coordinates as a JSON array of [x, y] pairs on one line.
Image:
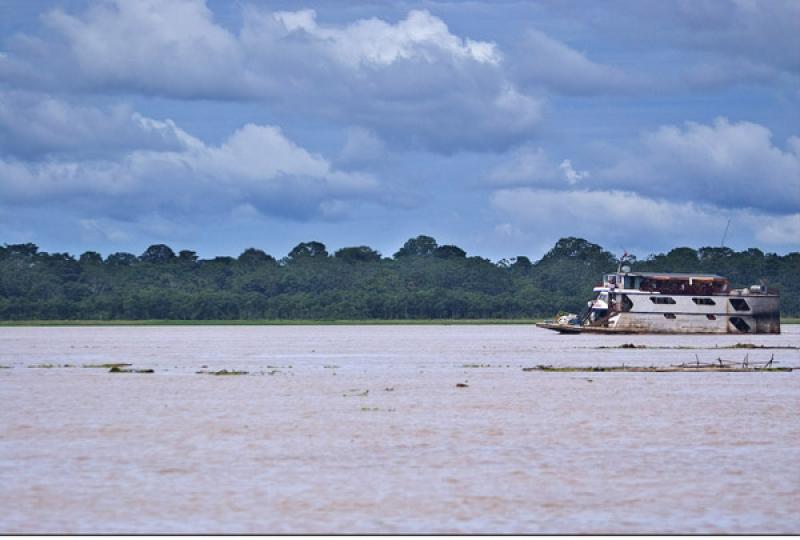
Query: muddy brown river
[[365, 429]]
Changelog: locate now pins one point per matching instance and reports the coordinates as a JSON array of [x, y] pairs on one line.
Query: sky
[[497, 126]]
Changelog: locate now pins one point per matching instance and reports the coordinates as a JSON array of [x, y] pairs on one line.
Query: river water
[[360, 429]]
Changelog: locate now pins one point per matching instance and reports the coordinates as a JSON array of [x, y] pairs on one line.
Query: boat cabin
[[668, 283], [679, 303]]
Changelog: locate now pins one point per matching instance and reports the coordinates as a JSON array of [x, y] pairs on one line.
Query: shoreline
[[286, 322]]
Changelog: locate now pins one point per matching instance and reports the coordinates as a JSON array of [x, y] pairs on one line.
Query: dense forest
[[423, 280]]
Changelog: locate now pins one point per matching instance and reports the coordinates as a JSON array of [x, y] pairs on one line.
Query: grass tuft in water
[[50, 366], [225, 372], [117, 369], [107, 366], [754, 346]]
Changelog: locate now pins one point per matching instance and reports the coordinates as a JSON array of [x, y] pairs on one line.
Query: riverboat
[[673, 303]]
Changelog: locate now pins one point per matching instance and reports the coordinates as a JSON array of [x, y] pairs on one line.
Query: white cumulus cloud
[[572, 176], [530, 165], [616, 219], [413, 82], [777, 230], [373, 41], [257, 165], [32, 126], [730, 164], [161, 47]]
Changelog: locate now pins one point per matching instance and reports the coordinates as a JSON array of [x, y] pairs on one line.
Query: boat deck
[[572, 329]]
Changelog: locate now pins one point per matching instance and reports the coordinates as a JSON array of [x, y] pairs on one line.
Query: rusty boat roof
[[673, 275]]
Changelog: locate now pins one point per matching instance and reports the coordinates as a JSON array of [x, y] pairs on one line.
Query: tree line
[[422, 280]]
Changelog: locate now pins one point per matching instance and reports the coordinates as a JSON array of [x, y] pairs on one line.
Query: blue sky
[[496, 126]]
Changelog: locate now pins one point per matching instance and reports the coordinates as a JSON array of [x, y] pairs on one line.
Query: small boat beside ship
[[673, 303]]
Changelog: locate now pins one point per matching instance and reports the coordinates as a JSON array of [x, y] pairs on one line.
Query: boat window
[[740, 304], [704, 301], [711, 317], [626, 303], [628, 282], [740, 324], [669, 315], [662, 300]]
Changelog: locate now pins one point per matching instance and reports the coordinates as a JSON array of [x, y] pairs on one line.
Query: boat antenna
[[725, 234], [622, 260]]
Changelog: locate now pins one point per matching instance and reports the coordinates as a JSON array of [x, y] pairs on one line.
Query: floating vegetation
[[476, 365], [225, 372], [5, 367], [462, 385], [107, 366], [116, 369], [687, 347], [681, 368], [389, 389], [754, 346], [331, 367], [50, 366], [634, 346], [355, 392], [375, 409]]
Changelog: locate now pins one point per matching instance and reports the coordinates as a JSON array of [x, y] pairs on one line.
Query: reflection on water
[[363, 429]]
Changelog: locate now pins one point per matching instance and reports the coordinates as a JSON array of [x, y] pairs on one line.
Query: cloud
[[530, 165], [149, 46], [543, 62], [257, 165], [780, 230], [755, 32], [730, 164], [720, 73], [34, 126], [668, 47], [718, 43], [617, 218], [93, 230], [571, 174], [374, 42], [677, 185], [609, 213], [361, 146], [413, 83]]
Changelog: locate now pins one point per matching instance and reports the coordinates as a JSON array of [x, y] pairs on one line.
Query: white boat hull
[[757, 314]]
